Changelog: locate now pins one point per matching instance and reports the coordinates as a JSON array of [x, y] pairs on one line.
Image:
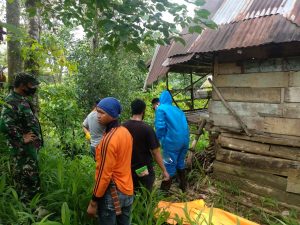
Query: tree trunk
[[31, 65], [13, 43]]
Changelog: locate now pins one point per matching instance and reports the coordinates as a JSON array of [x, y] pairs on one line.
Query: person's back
[[141, 132], [95, 128], [170, 122], [173, 132], [145, 148]]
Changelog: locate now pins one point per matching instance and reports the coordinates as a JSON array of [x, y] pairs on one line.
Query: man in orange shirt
[[113, 190]]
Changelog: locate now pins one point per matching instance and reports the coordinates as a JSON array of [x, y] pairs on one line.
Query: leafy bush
[[61, 117], [66, 190]]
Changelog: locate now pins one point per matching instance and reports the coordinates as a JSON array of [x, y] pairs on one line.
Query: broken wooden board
[[263, 95], [273, 79], [263, 191], [293, 183], [259, 176]]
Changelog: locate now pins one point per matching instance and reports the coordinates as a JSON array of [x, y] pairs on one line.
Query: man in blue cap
[[113, 190], [173, 132]]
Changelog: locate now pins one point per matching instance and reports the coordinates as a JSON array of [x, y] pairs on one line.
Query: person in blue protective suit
[[173, 132]]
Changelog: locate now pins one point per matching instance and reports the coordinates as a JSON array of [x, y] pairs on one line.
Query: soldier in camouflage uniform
[[23, 132]]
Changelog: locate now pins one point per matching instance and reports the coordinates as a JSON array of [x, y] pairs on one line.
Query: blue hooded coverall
[[173, 132]]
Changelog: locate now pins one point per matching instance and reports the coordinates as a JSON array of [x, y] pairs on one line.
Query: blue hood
[[165, 98]]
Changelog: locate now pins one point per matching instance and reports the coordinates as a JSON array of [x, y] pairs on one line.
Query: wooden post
[[167, 75], [192, 90], [243, 125]]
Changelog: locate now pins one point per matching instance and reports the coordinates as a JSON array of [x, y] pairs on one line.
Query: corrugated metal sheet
[[242, 23], [177, 59], [254, 32], [156, 69], [178, 48], [249, 9]]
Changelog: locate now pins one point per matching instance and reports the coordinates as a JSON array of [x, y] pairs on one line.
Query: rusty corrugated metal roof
[[241, 24], [254, 32], [156, 69], [250, 9]]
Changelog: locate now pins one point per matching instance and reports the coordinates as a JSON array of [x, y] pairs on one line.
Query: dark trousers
[[145, 181], [106, 209]]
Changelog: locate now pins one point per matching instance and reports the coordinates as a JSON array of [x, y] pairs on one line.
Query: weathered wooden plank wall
[[267, 98], [266, 95]]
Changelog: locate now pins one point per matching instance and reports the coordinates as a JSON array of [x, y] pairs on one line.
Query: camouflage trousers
[[25, 172]]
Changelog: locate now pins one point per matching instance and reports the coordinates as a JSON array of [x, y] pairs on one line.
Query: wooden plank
[[285, 152], [282, 152], [284, 126], [293, 184], [224, 120], [292, 94], [294, 80], [273, 165], [246, 109], [273, 79], [291, 110], [258, 176], [229, 68], [216, 66], [243, 145], [263, 95], [270, 139], [264, 191]]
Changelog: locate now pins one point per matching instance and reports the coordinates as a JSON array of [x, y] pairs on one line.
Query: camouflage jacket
[[17, 119]]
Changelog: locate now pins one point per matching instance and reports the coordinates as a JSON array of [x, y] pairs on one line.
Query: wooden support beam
[[230, 108]]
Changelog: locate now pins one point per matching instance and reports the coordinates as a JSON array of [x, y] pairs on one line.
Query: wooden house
[[254, 57]]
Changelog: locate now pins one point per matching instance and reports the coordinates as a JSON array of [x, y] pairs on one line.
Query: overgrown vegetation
[[75, 71]]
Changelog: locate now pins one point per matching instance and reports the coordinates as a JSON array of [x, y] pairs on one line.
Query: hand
[[92, 209], [88, 136], [166, 175], [29, 137]]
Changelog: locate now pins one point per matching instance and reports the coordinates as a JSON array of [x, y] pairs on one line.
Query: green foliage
[[49, 54], [66, 191], [126, 23], [103, 74], [203, 142], [61, 117], [144, 208]]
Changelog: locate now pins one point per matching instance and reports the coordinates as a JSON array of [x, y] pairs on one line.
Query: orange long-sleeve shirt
[[113, 162]]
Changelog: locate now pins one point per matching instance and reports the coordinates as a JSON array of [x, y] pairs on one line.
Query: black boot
[[182, 179], [166, 185]]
